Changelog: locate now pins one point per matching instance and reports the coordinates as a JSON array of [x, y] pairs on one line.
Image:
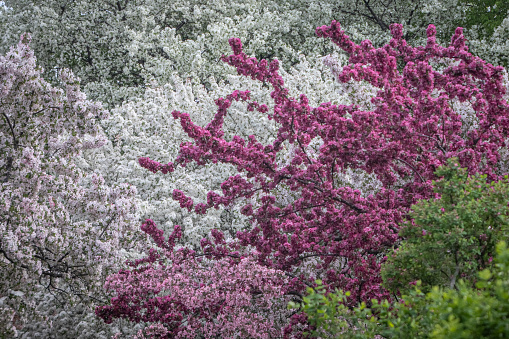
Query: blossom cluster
[[61, 228], [411, 130], [185, 295]]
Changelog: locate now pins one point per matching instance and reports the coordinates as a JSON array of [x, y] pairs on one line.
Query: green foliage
[[485, 14], [475, 313], [462, 313], [329, 316], [332, 319], [451, 237]]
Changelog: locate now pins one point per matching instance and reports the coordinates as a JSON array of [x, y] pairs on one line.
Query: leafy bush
[[465, 312], [453, 235]]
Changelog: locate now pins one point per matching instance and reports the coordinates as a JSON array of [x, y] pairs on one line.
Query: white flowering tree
[[61, 229], [118, 47], [145, 127]]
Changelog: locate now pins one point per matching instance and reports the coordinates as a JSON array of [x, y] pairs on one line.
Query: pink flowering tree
[[433, 103], [62, 230], [189, 295]]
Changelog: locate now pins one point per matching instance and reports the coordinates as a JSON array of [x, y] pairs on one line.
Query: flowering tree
[[432, 103], [117, 47], [61, 229], [233, 295], [144, 127]]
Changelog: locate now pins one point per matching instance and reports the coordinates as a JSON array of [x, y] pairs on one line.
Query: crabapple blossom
[[409, 131], [143, 127], [185, 295], [61, 228], [117, 48]]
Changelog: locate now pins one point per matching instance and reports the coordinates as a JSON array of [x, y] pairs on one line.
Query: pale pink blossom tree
[[61, 229]]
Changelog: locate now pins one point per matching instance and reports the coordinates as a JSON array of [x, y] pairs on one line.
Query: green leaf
[[485, 274]]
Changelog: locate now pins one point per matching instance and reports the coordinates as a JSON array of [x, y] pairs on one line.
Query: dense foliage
[[486, 14], [301, 168], [464, 312], [453, 237]]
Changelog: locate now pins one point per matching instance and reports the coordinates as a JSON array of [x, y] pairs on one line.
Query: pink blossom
[[328, 230]]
